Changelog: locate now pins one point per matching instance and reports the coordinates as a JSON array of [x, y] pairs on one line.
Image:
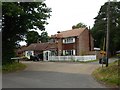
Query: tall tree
[[17, 19], [79, 25], [100, 27]]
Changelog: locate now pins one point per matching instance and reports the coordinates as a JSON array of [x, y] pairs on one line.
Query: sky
[[66, 13]]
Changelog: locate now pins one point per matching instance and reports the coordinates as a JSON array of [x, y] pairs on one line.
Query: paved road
[[53, 75]]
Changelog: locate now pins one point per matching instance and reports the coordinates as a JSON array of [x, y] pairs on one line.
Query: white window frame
[[72, 52], [69, 40]]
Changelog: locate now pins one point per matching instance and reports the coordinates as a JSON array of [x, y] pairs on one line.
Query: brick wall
[[77, 45], [97, 53], [59, 46], [68, 46], [84, 44]]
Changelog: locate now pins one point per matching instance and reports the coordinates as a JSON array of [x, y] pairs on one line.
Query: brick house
[[73, 42]]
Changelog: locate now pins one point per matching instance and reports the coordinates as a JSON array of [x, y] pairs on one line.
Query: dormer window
[[68, 40]]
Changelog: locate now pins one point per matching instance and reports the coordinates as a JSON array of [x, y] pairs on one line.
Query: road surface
[[53, 75]]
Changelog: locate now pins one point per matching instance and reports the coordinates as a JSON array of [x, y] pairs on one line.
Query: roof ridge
[[73, 29]]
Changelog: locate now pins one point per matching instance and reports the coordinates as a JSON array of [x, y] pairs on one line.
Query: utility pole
[[89, 39], [107, 36]]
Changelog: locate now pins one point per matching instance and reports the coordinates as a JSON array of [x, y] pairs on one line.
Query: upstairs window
[[68, 40]]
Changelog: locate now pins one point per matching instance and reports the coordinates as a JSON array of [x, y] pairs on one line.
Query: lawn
[[13, 67]]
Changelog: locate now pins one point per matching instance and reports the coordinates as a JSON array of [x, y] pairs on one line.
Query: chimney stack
[[58, 32]]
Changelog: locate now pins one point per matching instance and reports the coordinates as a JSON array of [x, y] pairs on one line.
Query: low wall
[[97, 53]]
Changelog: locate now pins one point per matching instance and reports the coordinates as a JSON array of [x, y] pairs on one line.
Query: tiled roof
[[41, 46], [69, 33]]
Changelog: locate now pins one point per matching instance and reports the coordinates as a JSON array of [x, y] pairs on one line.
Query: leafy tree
[[32, 37], [79, 25], [17, 19], [44, 37], [100, 27]]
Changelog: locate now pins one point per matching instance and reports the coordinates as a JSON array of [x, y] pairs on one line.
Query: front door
[[46, 55]]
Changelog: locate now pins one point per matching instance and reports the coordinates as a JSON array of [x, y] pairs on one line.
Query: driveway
[[53, 75]]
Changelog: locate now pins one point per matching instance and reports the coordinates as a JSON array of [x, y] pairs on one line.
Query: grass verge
[[74, 61], [109, 75], [88, 61], [13, 67]]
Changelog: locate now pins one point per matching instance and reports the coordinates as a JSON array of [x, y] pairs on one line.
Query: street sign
[[103, 52]]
